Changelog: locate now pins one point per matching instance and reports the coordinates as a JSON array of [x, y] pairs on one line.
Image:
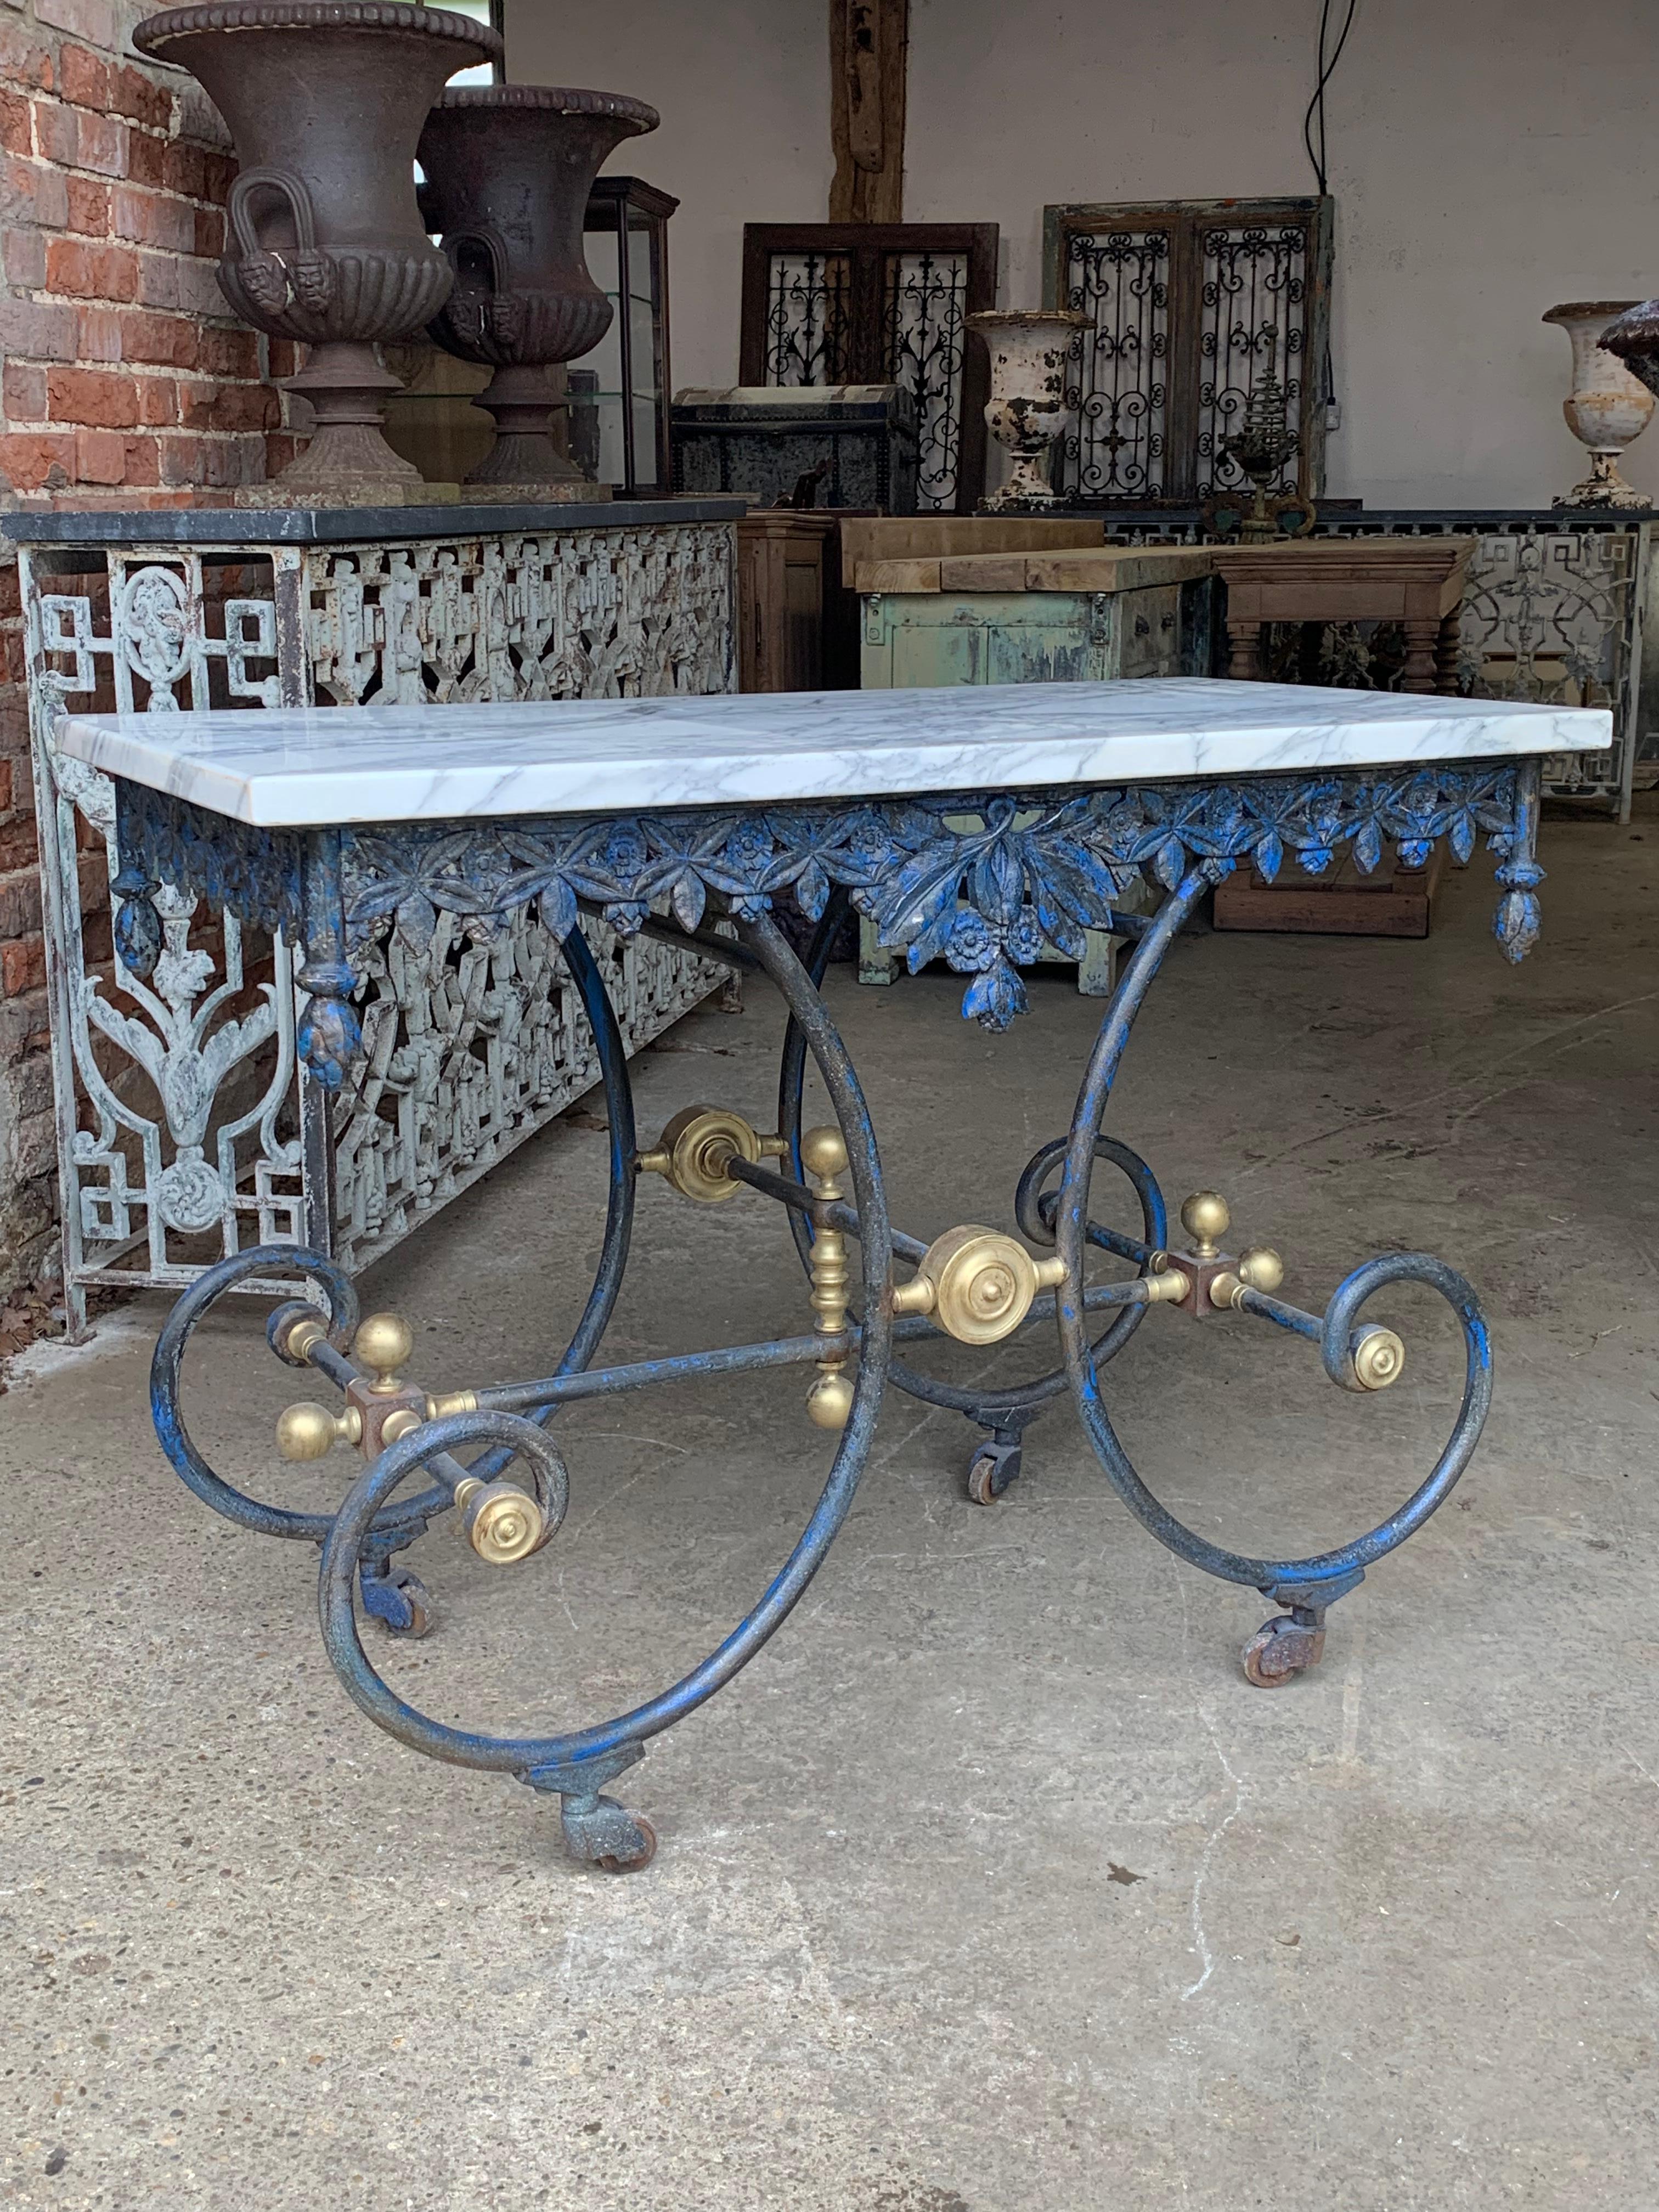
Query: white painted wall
[[1489, 158]]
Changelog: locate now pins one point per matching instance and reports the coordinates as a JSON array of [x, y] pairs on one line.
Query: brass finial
[[1261, 1269], [311, 1431], [1205, 1217], [383, 1344]]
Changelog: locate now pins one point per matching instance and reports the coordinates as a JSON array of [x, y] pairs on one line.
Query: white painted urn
[[1029, 350], [1607, 410]]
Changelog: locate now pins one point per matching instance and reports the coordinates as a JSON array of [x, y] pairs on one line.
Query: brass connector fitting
[[696, 1147], [977, 1285]]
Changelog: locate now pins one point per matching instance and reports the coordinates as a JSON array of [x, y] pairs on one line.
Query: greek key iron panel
[[190, 1118], [1195, 303], [880, 303]]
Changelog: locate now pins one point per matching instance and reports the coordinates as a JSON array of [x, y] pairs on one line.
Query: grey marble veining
[[291, 768]]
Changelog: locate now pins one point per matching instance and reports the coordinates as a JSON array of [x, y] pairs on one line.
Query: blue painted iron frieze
[[981, 881]]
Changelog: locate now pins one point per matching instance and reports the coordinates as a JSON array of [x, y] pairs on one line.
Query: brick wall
[[124, 382]]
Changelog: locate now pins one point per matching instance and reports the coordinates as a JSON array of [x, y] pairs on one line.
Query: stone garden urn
[[1606, 410], [1029, 349], [325, 99], [508, 170]]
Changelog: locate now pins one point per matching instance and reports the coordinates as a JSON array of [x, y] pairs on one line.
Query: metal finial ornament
[[1259, 448]]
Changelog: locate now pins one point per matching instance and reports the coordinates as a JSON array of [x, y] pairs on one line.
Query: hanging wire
[[1315, 113], [1312, 128]]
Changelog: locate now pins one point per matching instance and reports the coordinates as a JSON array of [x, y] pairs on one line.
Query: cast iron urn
[[325, 99], [508, 170]]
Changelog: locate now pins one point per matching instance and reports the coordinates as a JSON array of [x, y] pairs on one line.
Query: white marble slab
[[289, 767]]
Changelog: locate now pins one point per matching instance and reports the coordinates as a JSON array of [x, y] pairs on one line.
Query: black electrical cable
[[1326, 70], [1316, 108]]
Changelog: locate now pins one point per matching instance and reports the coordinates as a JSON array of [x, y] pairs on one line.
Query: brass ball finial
[[1205, 1216], [823, 1152], [829, 1401], [1261, 1268], [383, 1344], [307, 1431]]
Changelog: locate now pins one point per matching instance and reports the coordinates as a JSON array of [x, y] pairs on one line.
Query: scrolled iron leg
[[1208, 1283]]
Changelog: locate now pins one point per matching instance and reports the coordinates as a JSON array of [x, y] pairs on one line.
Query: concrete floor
[[991, 1883]]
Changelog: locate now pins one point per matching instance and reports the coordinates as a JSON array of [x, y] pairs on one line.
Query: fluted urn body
[[508, 170], [1029, 349], [1607, 409], [325, 99]]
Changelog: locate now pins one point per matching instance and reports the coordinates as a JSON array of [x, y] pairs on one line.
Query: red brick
[[186, 170], [11, 606], [23, 966], [13, 666], [158, 279], [285, 356], [219, 174], [209, 233], [101, 143], [98, 334], [91, 272], [25, 251], [26, 393], [6, 768], [19, 848], [93, 397], [88, 207], [19, 903], [170, 341], [143, 462], [158, 401], [82, 77], [132, 94], [91, 19], [41, 329], [57, 132], [22, 62], [147, 159], [154, 219], [15, 134], [227, 407], [225, 352], [100, 456]]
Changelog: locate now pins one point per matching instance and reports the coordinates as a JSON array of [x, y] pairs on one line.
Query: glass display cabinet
[[625, 238]]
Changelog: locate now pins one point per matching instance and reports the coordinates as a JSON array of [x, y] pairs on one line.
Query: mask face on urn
[[508, 170], [326, 242]]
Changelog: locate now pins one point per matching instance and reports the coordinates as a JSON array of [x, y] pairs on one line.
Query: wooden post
[[869, 42]]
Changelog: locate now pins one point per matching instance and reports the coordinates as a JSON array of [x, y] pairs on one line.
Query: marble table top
[[293, 768]]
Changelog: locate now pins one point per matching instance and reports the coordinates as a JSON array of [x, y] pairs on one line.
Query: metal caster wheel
[[400, 1601], [1280, 1650], [633, 1862], [990, 1471]]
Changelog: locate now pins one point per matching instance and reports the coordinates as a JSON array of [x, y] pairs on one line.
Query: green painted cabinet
[[1083, 615]]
